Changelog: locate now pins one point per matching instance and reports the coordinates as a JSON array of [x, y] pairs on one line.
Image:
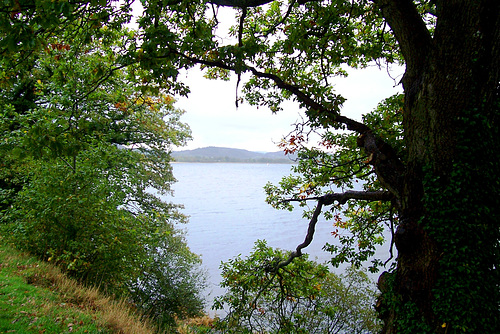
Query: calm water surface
[[228, 213]]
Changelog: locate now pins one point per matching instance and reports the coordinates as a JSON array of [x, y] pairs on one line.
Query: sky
[[215, 121]]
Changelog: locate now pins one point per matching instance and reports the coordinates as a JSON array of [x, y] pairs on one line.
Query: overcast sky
[[215, 121]]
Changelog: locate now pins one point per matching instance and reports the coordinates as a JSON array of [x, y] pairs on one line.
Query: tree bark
[[447, 75], [240, 3]]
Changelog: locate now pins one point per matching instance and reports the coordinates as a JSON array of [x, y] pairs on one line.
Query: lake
[[228, 213]]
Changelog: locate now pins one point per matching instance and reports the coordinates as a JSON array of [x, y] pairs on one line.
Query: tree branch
[[240, 3], [382, 156], [342, 198], [329, 199], [411, 33], [307, 240], [349, 123], [407, 25]]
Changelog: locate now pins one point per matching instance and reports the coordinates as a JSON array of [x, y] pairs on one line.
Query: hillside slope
[[35, 297]]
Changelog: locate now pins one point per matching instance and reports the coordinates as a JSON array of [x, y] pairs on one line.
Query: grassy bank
[[35, 297]]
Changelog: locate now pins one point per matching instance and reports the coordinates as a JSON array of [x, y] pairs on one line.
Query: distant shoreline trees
[[224, 154]]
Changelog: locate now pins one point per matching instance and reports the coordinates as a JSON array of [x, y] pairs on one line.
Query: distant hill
[[224, 154]]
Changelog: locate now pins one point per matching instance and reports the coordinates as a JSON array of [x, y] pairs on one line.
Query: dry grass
[[64, 301], [115, 315], [186, 326]]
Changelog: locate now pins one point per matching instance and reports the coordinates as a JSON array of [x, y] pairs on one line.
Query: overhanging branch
[[348, 122], [307, 241], [342, 198], [239, 3], [382, 156], [329, 199]]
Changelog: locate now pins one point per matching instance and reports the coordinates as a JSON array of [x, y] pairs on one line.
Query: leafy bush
[[87, 141], [303, 297]]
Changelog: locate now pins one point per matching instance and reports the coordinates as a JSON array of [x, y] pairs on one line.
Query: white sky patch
[[215, 121]]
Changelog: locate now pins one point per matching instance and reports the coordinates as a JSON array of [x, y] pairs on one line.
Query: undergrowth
[[36, 297]]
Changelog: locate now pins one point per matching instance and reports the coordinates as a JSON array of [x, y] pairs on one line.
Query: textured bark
[[454, 71], [240, 3]]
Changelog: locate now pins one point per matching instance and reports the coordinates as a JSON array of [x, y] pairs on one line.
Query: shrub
[[303, 297]]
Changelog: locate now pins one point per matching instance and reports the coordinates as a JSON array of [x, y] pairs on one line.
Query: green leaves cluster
[[301, 44], [337, 164], [465, 216], [85, 149], [303, 297]]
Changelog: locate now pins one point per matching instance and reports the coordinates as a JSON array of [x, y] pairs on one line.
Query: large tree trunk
[[449, 213]]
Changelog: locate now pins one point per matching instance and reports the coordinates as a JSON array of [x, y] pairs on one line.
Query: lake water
[[228, 213]]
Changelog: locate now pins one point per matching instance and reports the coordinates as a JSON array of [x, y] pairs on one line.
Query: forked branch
[[307, 240], [329, 199]]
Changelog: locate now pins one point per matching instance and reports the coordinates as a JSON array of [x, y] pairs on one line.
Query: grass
[[36, 297], [198, 325]]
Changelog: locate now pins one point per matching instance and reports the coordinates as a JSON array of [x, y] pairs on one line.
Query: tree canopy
[[304, 297], [84, 142], [426, 161]]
